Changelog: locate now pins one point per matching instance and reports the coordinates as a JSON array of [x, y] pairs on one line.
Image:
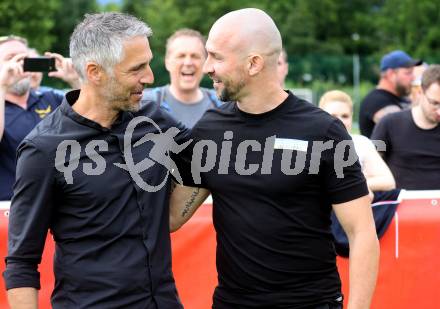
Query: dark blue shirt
[[112, 237], [18, 123]]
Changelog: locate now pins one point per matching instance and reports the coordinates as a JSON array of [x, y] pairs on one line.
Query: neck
[[420, 119], [187, 97], [94, 107], [18, 100], [387, 86], [258, 102]]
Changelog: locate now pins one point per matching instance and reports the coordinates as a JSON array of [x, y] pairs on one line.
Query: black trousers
[[223, 305]]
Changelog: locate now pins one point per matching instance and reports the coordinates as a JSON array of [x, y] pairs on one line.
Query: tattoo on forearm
[[190, 203]]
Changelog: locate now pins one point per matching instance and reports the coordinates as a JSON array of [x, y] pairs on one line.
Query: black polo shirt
[[18, 123], [112, 237], [274, 243]]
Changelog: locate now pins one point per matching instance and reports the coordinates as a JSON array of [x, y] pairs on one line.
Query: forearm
[[364, 262], [381, 183], [184, 202], [23, 298]]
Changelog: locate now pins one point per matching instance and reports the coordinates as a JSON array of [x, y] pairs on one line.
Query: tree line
[[324, 32]]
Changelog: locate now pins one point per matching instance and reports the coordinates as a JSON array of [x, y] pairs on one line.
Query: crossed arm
[[356, 218]]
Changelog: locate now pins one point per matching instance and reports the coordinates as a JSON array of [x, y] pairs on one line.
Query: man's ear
[[94, 72], [167, 63], [255, 64], [390, 73]]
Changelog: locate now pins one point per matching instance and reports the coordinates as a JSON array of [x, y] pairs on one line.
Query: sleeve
[[184, 159], [54, 96], [374, 104], [380, 133], [59, 96], [367, 144], [29, 217], [343, 180], [149, 95]]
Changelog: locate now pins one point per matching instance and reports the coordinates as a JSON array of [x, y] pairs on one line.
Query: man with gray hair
[[274, 243], [21, 108], [74, 177]]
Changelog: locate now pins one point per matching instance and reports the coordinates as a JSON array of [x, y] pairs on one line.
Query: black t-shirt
[[274, 244], [373, 102], [413, 154]]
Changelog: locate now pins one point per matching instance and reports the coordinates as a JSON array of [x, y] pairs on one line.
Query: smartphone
[[39, 64]]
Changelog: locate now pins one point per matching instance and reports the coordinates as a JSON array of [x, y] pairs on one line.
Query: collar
[[66, 108], [34, 98]]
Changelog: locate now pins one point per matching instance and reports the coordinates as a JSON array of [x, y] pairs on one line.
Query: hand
[[65, 70], [11, 71]]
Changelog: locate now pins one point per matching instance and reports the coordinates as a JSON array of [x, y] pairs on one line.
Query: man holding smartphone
[[21, 108]]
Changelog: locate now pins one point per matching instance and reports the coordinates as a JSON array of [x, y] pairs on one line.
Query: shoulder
[[157, 114], [309, 117], [396, 117], [376, 100], [212, 96], [391, 124], [225, 111], [357, 138], [46, 131], [376, 93], [151, 94], [50, 96], [37, 144], [362, 142], [379, 98]]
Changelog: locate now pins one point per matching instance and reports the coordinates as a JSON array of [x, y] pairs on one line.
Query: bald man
[[272, 215]]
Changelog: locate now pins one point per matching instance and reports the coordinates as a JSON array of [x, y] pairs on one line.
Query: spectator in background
[[184, 98], [65, 72], [282, 68], [412, 138], [379, 177], [21, 108], [390, 95], [416, 86]]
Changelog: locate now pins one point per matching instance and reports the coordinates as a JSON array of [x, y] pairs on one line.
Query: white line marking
[[396, 220]]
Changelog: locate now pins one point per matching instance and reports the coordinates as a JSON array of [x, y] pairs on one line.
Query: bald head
[[249, 31]]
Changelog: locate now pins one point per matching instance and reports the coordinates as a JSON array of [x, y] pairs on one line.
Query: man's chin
[[20, 89], [134, 107], [130, 106], [188, 87]]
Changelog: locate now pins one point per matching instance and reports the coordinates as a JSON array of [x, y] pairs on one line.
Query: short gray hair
[[100, 37]]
